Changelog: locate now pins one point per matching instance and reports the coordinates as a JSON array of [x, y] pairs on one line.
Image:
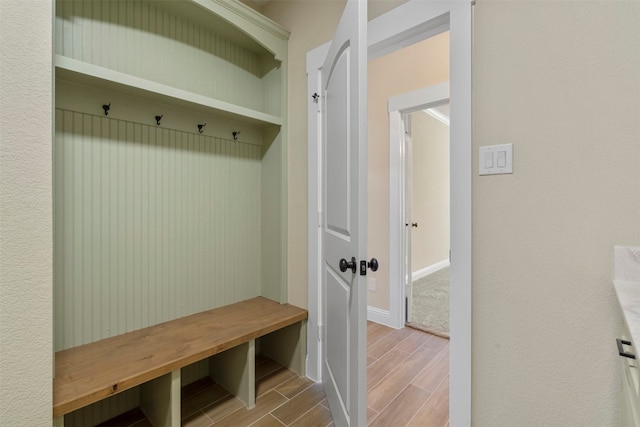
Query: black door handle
[[344, 264], [621, 351], [372, 265]]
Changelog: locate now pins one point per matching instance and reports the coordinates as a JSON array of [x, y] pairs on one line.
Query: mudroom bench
[[152, 358]]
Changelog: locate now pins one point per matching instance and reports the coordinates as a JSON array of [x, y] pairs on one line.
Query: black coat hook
[[200, 126], [106, 107], [235, 134], [315, 97], [158, 118]]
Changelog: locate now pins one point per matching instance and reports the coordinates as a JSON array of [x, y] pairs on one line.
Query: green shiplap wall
[[142, 40], [150, 224]]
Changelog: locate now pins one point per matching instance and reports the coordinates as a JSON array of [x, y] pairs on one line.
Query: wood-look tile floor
[[408, 385]]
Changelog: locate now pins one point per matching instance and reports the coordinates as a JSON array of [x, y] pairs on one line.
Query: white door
[[408, 220], [344, 85]]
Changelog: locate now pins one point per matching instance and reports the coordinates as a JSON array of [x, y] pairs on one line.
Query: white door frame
[[409, 23], [397, 106]]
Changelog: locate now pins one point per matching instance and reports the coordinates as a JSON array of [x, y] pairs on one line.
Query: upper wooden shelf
[[89, 74], [257, 33]]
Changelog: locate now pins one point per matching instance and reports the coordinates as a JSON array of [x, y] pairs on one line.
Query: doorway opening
[[427, 218], [404, 72]]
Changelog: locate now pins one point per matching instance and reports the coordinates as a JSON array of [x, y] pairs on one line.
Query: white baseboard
[[383, 317], [429, 270]]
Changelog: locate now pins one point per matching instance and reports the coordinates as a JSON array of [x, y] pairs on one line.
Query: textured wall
[[25, 213], [561, 81]]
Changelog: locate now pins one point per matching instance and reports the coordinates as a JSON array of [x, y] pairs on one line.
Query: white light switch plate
[[496, 159]]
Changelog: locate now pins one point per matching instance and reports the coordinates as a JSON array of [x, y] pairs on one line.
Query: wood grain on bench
[[91, 372]]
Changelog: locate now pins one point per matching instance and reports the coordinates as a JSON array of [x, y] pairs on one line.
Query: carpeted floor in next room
[[430, 308]]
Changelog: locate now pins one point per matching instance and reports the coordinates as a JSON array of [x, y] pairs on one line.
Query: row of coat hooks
[[235, 133]]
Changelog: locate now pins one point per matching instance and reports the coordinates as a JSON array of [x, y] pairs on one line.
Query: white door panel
[[337, 147], [344, 201]]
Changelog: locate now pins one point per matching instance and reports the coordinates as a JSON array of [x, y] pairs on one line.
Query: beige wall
[[430, 165], [561, 81], [26, 317]]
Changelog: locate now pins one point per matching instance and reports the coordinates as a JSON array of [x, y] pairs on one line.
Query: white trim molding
[[381, 316], [398, 105], [430, 269], [314, 218]]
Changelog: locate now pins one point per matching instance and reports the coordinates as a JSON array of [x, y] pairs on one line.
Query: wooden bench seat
[[91, 372]]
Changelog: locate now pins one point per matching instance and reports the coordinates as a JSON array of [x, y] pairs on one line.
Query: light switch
[[496, 159], [488, 159]]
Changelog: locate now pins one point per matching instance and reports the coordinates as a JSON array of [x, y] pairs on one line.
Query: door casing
[[397, 106], [407, 24]]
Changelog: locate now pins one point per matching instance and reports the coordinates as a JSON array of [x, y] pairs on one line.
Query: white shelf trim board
[[85, 73]]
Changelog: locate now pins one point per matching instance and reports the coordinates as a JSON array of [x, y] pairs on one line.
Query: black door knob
[[344, 264], [373, 264]]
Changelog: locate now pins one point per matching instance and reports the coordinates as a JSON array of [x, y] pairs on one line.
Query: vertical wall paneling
[[104, 410], [150, 224], [142, 40]]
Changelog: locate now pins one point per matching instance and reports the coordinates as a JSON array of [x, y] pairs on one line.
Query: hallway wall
[[561, 81], [26, 236], [430, 239]]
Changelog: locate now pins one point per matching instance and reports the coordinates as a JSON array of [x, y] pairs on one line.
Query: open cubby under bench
[[152, 357]]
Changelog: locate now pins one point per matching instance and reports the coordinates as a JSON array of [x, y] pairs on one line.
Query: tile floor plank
[[432, 375], [377, 333], [318, 416], [244, 417], [272, 380], [294, 386], [388, 342], [414, 341], [223, 407], [377, 371], [298, 405], [435, 411], [402, 409], [196, 419], [267, 421], [205, 397], [387, 390]]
